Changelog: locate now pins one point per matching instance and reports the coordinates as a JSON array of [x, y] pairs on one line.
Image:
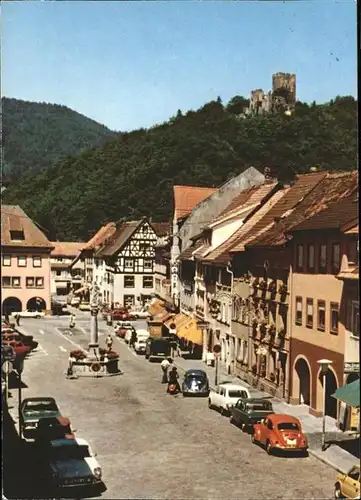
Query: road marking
[[69, 340], [42, 332], [62, 348], [43, 350]]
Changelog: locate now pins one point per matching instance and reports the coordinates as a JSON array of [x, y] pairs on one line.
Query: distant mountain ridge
[[38, 135]]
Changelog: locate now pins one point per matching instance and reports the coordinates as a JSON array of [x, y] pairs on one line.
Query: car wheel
[[210, 406], [254, 440], [231, 419], [184, 394], [243, 426], [338, 493], [268, 448], [136, 317], [38, 317]]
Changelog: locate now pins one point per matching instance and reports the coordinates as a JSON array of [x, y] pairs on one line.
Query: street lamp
[[324, 365]]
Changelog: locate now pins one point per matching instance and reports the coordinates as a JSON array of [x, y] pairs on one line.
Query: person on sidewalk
[[165, 364], [133, 338], [109, 342], [72, 320]]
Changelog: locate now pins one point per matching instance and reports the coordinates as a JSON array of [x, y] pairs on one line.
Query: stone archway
[[331, 387], [301, 387], [36, 304], [11, 304]]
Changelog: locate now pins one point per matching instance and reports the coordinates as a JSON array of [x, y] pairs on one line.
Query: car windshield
[[288, 426], [195, 376], [235, 394], [259, 407], [70, 452], [40, 406]]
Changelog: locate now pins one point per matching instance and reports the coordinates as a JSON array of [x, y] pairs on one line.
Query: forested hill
[[133, 175], [36, 135]]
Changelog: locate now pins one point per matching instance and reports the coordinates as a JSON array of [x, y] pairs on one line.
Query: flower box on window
[[282, 289]]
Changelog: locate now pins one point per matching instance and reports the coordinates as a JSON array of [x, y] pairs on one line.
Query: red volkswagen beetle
[[280, 432]]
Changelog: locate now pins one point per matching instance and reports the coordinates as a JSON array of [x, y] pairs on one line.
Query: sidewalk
[[334, 456]]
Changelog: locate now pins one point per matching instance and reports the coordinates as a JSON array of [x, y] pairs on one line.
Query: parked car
[[227, 394], [139, 314], [27, 340], [58, 309], [121, 331], [29, 313], [140, 346], [120, 314], [142, 334], [33, 410], [157, 348], [84, 306], [19, 347], [128, 336], [280, 432], [69, 463], [247, 412], [348, 485], [195, 383], [51, 428]]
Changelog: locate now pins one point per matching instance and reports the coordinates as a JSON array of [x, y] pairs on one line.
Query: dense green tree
[[133, 175]]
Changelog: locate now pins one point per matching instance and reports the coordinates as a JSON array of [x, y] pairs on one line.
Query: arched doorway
[[302, 382], [36, 304], [331, 387], [352, 377], [11, 304]]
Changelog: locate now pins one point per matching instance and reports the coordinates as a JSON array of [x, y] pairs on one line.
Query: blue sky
[[133, 64]]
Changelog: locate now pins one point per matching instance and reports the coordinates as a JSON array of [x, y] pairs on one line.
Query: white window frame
[[355, 318], [22, 258], [147, 261], [127, 261], [37, 258], [129, 287], [310, 307], [17, 278], [6, 260], [148, 277], [299, 308], [332, 308], [36, 282], [27, 279]]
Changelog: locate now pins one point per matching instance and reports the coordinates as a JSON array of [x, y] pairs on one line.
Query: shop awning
[[177, 320], [349, 394], [189, 331], [156, 308]]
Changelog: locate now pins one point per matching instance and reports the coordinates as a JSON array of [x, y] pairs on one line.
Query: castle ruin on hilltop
[[282, 97]]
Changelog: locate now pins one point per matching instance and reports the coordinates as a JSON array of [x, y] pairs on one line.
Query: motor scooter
[[172, 389]]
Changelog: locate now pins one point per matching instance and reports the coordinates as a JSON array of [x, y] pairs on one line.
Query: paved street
[[150, 444]]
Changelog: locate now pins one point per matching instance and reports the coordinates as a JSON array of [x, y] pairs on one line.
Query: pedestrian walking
[[69, 372], [72, 321], [109, 342], [133, 338], [165, 364]]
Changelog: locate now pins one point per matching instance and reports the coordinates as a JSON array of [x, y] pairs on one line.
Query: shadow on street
[[22, 478]]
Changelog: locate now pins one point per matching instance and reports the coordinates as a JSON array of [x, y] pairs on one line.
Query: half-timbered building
[[131, 254]]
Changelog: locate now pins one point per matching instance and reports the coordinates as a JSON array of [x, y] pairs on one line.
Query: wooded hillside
[[133, 175]]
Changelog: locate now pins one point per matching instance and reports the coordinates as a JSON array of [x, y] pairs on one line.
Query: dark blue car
[[195, 383]]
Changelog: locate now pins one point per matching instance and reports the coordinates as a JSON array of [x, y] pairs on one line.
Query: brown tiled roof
[[161, 228], [266, 195], [187, 197], [188, 253], [101, 236], [120, 237], [13, 218], [352, 229], [247, 198], [327, 189], [68, 248], [336, 215]]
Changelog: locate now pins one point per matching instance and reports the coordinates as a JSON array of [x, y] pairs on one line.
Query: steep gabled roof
[[221, 254], [187, 197], [337, 215], [67, 248], [161, 228], [14, 219], [330, 188], [188, 253], [291, 196], [104, 233], [119, 239]]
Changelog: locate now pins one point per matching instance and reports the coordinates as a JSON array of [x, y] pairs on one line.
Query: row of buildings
[[270, 272]]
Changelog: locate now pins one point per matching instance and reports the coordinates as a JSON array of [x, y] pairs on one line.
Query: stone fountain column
[[94, 309]]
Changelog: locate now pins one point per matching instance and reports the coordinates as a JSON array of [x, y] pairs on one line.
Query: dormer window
[[17, 235]]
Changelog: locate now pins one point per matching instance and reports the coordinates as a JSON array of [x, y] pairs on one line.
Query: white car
[[139, 314], [226, 395], [71, 463], [29, 313], [140, 345]]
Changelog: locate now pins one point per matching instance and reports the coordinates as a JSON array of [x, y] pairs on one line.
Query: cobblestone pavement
[[153, 445]]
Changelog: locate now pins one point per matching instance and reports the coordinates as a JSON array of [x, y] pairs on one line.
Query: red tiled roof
[[187, 197], [69, 248], [236, 203], [336, 215], [13, 218], [328, 189], [188, 253], [101, 236]]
